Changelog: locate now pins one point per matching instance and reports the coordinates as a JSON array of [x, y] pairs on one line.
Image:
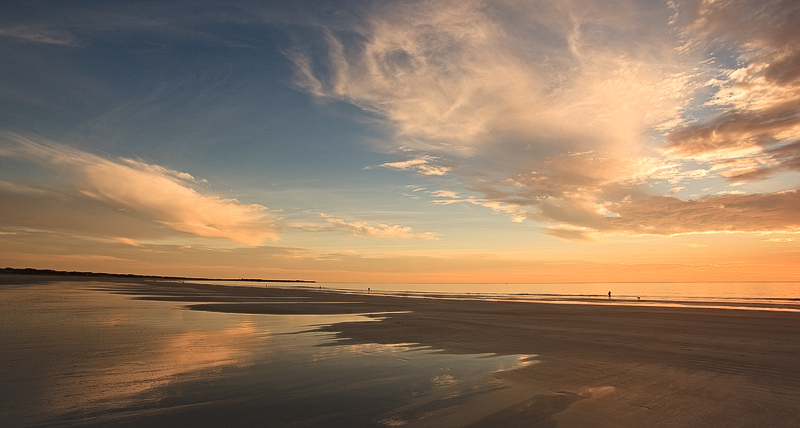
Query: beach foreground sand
[[595, 365]]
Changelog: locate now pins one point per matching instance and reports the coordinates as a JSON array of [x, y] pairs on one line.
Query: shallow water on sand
[[75, 355]]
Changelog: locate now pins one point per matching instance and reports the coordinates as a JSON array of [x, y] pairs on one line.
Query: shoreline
[[600, 365], [752, 303], [635, 366]]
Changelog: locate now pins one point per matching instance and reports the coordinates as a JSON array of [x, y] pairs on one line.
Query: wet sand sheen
[[597, 365]]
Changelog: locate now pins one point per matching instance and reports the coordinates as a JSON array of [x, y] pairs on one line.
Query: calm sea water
[[751, 293]]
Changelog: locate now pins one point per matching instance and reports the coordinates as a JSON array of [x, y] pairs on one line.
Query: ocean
[[766, 294]]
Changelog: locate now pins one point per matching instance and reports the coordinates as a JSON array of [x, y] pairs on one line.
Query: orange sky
[[448, 141]]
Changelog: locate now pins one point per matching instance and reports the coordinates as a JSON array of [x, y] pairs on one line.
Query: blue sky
[[402, 141]]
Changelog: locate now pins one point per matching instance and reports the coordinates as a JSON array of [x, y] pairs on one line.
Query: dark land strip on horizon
[[103, 275]]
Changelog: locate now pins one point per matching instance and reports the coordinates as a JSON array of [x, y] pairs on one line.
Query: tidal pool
[[76, 355]]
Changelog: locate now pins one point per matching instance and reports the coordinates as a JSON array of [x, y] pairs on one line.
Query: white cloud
[[128, 241], [378, 230], [453, 76], [754, 121], [424, 165], [449, 197], [445, 194], [675, 190], [161, 195], [557, 112], [573, 233]]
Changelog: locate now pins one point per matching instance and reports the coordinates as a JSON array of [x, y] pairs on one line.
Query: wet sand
[[596, 365]]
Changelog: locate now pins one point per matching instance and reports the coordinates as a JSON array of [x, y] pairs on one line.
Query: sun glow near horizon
[[405, 142]]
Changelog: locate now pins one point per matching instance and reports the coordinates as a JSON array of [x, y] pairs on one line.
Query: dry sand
[[598, 365]]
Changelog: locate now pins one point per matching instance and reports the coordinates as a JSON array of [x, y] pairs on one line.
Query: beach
[[566, 364]]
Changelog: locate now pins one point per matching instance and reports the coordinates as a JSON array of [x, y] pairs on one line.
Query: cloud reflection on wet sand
[[77, 355], [87, 350]]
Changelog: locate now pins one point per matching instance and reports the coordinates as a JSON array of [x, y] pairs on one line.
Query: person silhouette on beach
[[609, 295]]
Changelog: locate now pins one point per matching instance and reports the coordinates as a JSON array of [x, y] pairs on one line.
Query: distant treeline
[[32, 271]]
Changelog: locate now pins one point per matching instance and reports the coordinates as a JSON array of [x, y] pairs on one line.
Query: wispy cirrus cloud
[[457, 76], [138, 191], [570, 114], [573, 233], [423, 165], [693, 245], [38, 35], [446, 197], [755, 128], [378, 230]]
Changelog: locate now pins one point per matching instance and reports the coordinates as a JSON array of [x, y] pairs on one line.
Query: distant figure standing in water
[[609, 295]]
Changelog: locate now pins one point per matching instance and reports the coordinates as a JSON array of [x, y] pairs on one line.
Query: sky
[[403, 141]]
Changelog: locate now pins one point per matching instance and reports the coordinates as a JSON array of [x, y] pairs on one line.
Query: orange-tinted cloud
[[358, 228], [756, 104], [424, 165], [579, 117], [663, 215], [133, 191], [770, 212], [453, 77]]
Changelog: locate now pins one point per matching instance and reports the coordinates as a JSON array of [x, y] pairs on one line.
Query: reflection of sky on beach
[[75, 356], [89, 350]]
